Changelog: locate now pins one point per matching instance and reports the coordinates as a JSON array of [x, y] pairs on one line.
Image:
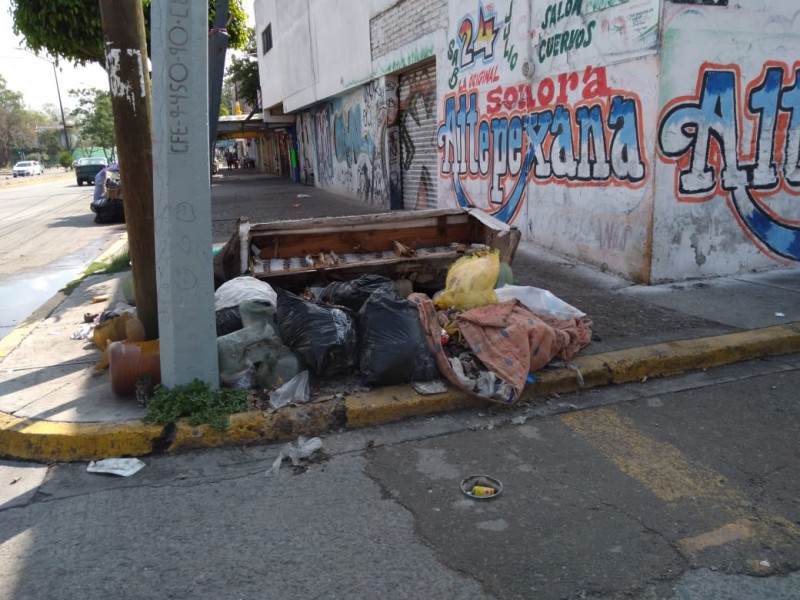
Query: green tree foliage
[[243, 72], [71, 29], [17, 126], [65, 159], [50, 145], [226, 99], [50, 134], [95, 120]]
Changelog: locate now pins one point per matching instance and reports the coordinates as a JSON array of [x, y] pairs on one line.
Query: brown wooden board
[[314, 246], [287, 244]]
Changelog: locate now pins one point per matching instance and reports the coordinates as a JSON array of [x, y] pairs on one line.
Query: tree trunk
[[129, 75]]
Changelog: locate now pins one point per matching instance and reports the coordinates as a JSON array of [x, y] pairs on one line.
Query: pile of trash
[[480, 333], [276, 340], [482, 338]]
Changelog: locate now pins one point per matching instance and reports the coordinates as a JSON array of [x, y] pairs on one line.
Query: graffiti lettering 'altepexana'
[[596, 141], [702, 134]]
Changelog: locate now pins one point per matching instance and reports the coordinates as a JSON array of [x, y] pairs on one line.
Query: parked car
[[88, 168], [27, 167]]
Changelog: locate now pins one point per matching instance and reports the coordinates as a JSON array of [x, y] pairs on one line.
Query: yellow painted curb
[[49, 441], [15, 337], [671, 358], [114, 249], [257, 427], [389, 404]]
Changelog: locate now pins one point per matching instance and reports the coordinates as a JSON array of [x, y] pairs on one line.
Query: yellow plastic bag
[[470, 281]]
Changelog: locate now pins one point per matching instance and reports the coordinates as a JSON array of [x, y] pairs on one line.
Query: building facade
[[659, 139]]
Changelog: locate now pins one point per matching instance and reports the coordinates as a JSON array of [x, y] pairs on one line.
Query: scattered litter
[[437, 386], [765, 563], [15, 480], [540, 301], [101, 298], [295, 390], [519, 420], [304, 195], [779, 314], [531, 378], [298, 205], [83, 332], [124, 467], [481, 487], [562, 364], [303, 449]]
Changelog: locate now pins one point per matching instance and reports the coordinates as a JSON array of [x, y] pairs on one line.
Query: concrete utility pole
[[128, 74], [186, 319]]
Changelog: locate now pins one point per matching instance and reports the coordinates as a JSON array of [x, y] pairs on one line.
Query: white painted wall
[[698, 229], [321, 48], [593, 200], [615, 68]]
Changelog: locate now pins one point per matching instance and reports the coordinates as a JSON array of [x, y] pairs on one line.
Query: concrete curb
[[27, 439], [24, 329]]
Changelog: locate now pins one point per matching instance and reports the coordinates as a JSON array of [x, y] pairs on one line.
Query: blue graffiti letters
[[596, 142], [693, 126], [706, 129], [349, 137]]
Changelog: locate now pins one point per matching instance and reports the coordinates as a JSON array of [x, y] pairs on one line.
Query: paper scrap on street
[[124, 467]]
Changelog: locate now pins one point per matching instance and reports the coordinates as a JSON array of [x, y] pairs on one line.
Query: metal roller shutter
[[419, 161]]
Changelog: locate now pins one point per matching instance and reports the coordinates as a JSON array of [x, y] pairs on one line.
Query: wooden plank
[[293, 244], [391, 219]]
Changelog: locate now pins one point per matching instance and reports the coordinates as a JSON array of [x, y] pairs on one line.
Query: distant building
[[659, 139]]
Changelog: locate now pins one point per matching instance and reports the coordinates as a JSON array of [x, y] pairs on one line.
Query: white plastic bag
[[539, 301], [296, 453], [295, 390], [239, 289]]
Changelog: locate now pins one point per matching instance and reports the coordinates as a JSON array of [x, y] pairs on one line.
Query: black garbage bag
[[353, 294], [324, 337], [392, 341], [228, 320]]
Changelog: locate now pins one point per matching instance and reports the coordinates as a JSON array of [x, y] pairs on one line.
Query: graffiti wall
[[360, 164], [570, 34], [417, 129], [342, 146], [564, 153], [305, 148], [728, 182]]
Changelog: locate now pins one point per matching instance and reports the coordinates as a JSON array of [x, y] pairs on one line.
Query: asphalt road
[[675, 489], [45, 222], [47, 236]]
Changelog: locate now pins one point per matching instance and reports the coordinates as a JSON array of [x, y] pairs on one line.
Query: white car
[[27, 167]]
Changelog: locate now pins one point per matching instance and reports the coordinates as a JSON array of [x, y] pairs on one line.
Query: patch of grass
[[116, 264], [198, 402]]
